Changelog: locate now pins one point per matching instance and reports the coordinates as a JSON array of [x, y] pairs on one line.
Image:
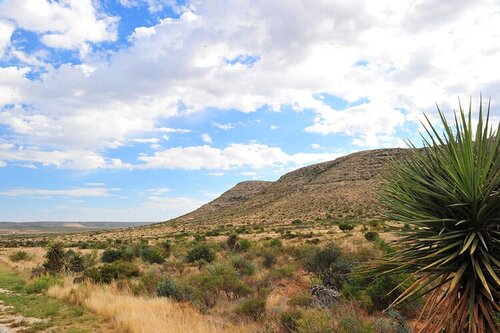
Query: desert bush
[[19, 256], [254, 308], [200, 252], [170, 288], [328, 266], [244, 245], [289, 320], [314, 321], [394, 323], [351, 322], [109, 272], [243, 266], [296, 222], [153, 255], [375, 293], [371, 236], [269, 259], [111, 255], [40, 284], [345, 227]]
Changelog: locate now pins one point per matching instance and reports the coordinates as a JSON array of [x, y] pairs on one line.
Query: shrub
[[449, 192], [375, 293], [19, 256], [371, 236], [328, 266], [269, 259], [40, 284], [109, 272], [111, 255], [314, 321], [301, 300], [89, 259], [351, 323], [200, 252], [345, 227], [244, 244], [148, 284], [281, 272], [243, 266], [289, 320], [153, 255], [169, 288], [296, 222], [254, 308]]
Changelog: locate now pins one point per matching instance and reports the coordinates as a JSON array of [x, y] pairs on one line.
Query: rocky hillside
[[342, 188]]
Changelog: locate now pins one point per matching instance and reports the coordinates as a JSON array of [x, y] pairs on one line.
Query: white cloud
[[249, 173], [6, 30], [2, 164], [225, 127], [316, 146], [273, 127], [215, 174], [67, 24], [411, 57], [95, 184], [206, 138], [75, 192], [252, 155], [152, 5]]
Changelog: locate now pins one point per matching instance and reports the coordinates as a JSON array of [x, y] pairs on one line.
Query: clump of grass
[[19, 256]]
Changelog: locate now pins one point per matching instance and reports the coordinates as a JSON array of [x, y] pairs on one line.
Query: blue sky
[[141, 110]]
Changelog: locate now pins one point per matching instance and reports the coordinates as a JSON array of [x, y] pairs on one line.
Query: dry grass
[[133, 314]]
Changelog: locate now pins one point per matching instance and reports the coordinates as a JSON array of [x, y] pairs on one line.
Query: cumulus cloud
[[233, 156], [67, 24], [400, 58], [6, 30]]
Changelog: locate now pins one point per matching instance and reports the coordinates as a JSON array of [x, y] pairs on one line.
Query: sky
[[142, 110]]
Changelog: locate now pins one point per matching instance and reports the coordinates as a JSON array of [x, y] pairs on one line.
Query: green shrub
[[200, 252], [153, 255], [281, 272], [170, 288], [148, 283], [244, 244], [19, 256], [109, 272], [296, 222], [350, 322], [289, 320], [111, 255], [254, 308], [375, 293], [328, 266], [345, 227], [371, 236], [40, 284], [243, 266], [314, 321], [89, 259]]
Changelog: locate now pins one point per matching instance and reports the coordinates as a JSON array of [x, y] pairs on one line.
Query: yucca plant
[[449, 192]]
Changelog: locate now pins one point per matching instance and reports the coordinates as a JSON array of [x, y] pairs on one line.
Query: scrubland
[[299, 276]]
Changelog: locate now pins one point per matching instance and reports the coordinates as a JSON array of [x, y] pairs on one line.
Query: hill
[[342, 188]]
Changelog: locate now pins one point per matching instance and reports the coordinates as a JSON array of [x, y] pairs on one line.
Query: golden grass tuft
[[134, 314]]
